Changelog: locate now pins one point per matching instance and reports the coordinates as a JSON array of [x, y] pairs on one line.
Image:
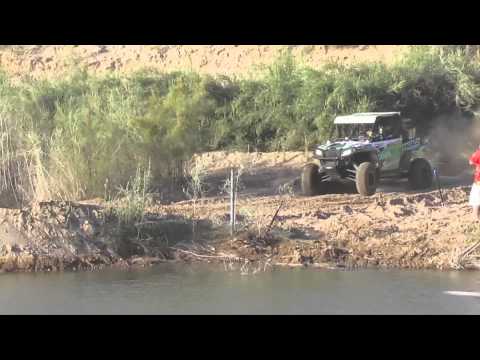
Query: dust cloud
[[453, 139]]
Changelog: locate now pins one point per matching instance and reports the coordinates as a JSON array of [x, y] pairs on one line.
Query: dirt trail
[[391, 230], [397, 228]]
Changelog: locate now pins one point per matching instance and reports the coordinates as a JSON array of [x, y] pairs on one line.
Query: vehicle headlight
[[347, 153], [319, 152]]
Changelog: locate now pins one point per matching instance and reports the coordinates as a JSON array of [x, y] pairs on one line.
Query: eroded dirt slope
[[53, 60]]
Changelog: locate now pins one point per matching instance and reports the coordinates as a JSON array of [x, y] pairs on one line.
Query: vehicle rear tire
[[366, 179], [311, 181], [420, 176]]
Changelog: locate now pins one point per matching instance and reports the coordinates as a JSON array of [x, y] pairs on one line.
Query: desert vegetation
[[83, 135]]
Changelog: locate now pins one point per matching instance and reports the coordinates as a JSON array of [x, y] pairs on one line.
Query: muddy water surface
[[199, 289]]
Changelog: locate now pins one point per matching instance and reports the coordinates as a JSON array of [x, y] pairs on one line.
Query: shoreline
[[68, 236]]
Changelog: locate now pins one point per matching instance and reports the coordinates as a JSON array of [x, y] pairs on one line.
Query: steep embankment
[[52, 60], [54, 236]]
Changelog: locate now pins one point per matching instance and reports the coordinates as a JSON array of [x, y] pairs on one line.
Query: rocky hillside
[[46, 60]]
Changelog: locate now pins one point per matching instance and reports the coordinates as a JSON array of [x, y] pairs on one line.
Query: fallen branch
[[470, 250], [223, 256], [314, 265], [288, 264], [273, 219]]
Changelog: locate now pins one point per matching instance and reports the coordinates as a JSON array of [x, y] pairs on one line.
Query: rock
[[322, 215], [16, 248], [398, 201], [5, 250], [103, 49], [348, 210]]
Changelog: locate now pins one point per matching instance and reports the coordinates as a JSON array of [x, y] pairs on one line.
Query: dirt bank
[[396, 229], [55, 236], [40, 61]]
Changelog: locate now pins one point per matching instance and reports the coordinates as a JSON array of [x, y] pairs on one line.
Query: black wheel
[[311, 181], [420, 175], [366, 179]]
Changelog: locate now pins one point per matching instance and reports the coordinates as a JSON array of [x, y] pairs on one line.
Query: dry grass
[[195, 172]]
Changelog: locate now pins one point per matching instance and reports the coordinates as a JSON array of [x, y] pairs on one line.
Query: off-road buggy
[[365, 148]]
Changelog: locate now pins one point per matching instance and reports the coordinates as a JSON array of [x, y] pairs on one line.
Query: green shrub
[[64, 138]]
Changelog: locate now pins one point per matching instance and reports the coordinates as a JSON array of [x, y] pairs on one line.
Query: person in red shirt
[[475, 192]]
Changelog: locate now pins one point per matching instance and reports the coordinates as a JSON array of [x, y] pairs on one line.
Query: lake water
[[200, 289]]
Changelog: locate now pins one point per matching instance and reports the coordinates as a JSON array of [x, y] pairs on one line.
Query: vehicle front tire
[[311, 180], [366, 179], [420, 176]]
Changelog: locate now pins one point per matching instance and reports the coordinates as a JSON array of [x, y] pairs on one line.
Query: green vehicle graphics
[[390, 154]]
